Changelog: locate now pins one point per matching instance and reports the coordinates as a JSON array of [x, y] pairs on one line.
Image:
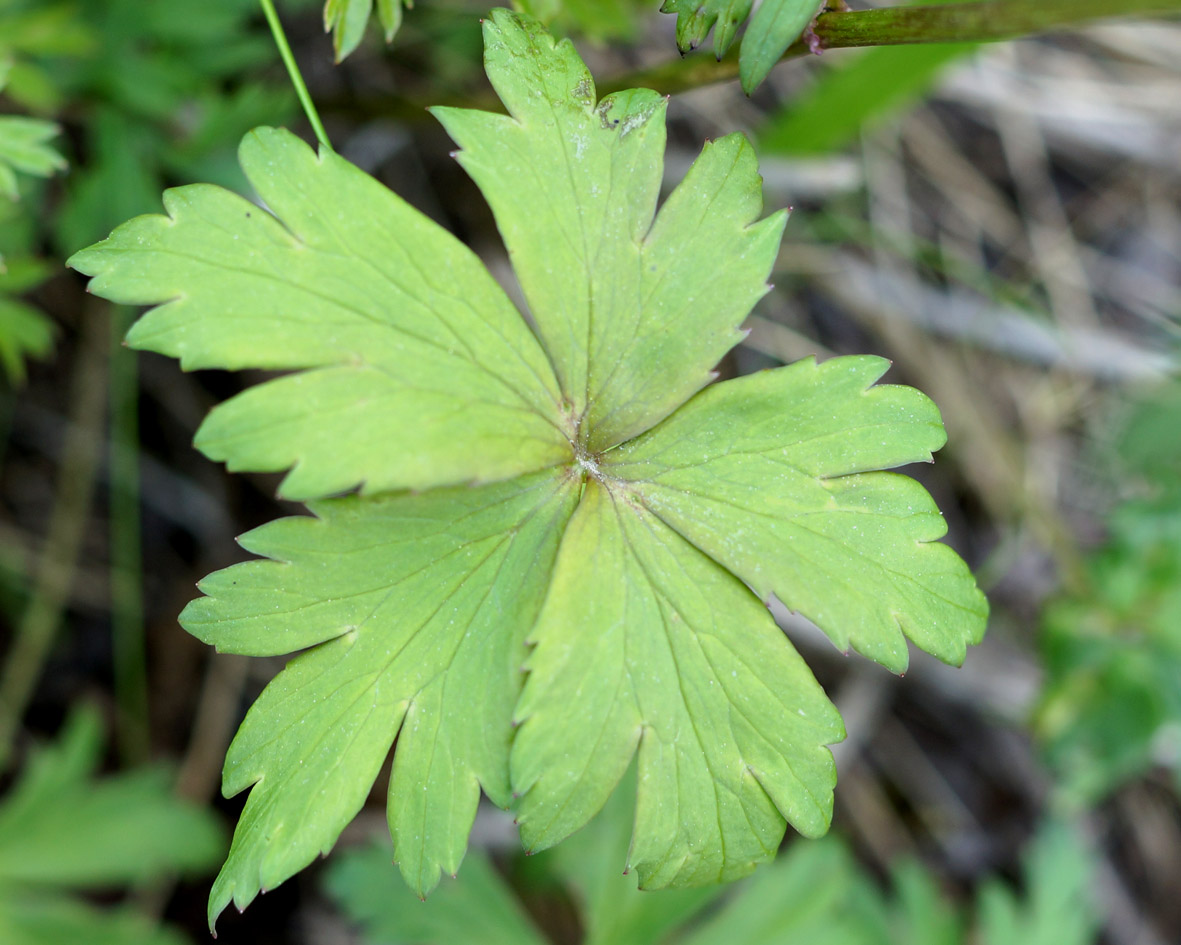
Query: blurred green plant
[[24, 331], [1112, 704], [856, 94], [167, 92], [63, 832], [814, 894], [24, 145]]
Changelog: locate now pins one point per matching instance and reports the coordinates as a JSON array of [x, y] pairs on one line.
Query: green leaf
[[37, 917], [24, 333], [573, 184], [1059, 906], [808, 897], [923, 914], [23, 148], [61, 828], [616, 518], [346, 21], [849, 98], [415, 607], [58, 827], [695, 18], [767, 474], [775, 26], [656, 648], [400, 328], [476, 909]]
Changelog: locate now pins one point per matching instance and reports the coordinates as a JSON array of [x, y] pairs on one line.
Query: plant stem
[[301, 90], [127, 617], [67, 525], [985, 21]]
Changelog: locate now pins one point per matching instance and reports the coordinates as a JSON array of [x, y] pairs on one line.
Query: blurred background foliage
[[1000, 221]]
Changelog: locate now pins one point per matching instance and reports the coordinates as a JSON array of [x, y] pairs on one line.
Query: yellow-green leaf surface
[[622, 514], [646, 644], [419, 371], [769, 475], [635, 312], [415, 609], [63, 830]]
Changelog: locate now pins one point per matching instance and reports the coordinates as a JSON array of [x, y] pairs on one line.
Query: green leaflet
[[346, 21], [695, 18], [619, 511], [775, 25], [644, 642], [631, 311], [416, 607], [766, 474], [400, 327]]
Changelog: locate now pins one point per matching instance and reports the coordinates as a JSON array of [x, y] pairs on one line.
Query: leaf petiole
[[301, 89]]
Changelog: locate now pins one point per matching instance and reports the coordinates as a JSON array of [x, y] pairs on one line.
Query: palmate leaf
[[618, 509]]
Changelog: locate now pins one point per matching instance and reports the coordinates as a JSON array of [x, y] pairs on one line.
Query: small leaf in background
[[1058, 907], [850, 98], [776, 24], [36, 917], [61, 828], [922, 913], [477, 908], [346, 20], [24, 331], [695, 18], [814, 895], [1111, 707], [24, 148]]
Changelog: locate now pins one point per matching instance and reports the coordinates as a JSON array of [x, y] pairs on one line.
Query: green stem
[[986, 21], [77, 471], [127, 617], [981, 22], [301, 90]]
